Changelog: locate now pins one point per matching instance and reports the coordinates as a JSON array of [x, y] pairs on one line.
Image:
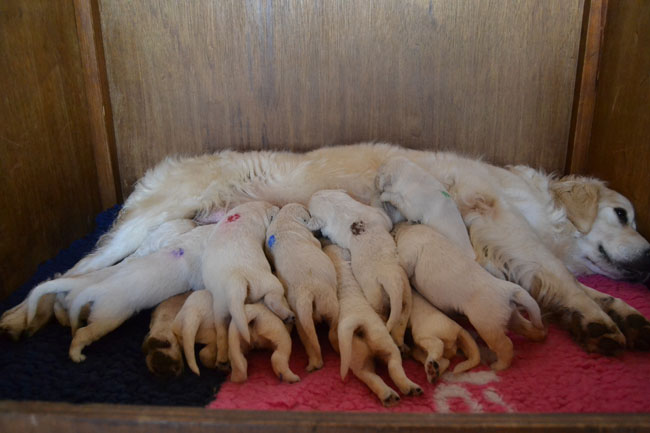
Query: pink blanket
[[553, 376]]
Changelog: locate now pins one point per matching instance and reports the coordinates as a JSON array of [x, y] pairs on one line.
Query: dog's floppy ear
[[580, 200], [314, 223]]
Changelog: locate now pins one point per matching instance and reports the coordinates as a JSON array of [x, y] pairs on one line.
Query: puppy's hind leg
[[14, 321], [434, 362], [307, 331], [95, 330], [364, 369], [274, 298], [496, 339], [238, 362]]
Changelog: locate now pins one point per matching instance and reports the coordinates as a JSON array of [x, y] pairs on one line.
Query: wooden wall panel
[[48, 189], [493, 77], [620, 139]]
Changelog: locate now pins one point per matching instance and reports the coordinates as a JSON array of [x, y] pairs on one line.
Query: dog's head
[[608, 242]]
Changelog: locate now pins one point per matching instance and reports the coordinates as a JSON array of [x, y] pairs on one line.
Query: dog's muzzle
[[637, 270]]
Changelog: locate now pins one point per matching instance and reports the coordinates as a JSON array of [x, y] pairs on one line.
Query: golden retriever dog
[[534, 229], [194, 323], [307, 274], [162, 350], [236, 271], [267, 331], [363, 336], [364, 230], [452, 282], [420, 197], [437, 339]]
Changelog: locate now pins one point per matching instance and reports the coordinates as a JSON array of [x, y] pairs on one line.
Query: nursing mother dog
[[531, 228]]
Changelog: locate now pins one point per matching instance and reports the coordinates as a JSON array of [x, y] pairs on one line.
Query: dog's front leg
[[630, 321]]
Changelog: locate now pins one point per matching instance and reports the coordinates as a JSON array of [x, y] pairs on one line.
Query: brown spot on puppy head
[[162, 364], [358, 227], [153, 343]]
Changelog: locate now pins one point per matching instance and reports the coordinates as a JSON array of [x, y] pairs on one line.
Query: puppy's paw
[[314, 365], [432, 368], [391, 399], [597, 335], [288, 377], [634, 326], [290, 319], [163, 355], [415, 391], [14, 322], [76, 355]]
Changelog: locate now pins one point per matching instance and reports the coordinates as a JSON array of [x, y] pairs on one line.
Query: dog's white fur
[[453, 282], [530, 229], [363, 336], [422, 198], [267, 331], [194, 323], [364, 230], [235, 271], [307, 274], [437, 339]]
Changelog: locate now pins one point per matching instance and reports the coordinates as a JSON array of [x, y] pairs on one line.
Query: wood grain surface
[[620, 139], [102, 418], [48, 188], [493, 78]]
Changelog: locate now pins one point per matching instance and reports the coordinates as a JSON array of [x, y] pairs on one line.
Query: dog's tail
[[469, 347], [238, 290], [523, 299], [190, 326], [305, 313], [52, 286], [393, 286], [346, 332]]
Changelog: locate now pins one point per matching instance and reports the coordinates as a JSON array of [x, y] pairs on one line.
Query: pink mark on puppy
[[233, 217]]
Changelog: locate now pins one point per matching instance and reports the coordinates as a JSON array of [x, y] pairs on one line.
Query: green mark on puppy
[[446, 194]]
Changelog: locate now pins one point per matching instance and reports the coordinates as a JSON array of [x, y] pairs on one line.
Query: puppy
[[452, 282], [161, 347], [111, 295], [437, 339], [422, 198], [236, 271], [307, 274], [267, 331], [364, 230], [194, 323], [363, 336]]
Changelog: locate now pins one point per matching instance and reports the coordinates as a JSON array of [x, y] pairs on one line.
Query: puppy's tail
[[523, 299], [346, 331], [238, 290], [190, 328], [305, 313], [393, 286], [52, 286], [469, 347]]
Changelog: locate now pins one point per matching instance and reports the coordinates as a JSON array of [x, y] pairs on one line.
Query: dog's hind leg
[[95, 330], [430, 353], [363, 368], [238, 362], [14, 321], [631, 322], [507, 247]]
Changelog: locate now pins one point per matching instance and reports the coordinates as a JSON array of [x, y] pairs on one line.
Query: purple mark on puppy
[[178, 252]]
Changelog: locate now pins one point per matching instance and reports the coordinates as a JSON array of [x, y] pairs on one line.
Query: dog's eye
[[621, 214]]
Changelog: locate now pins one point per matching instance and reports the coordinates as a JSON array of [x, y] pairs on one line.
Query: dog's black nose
[[642, 264]]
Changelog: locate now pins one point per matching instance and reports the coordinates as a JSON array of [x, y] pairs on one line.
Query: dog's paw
[[433, 370], [600, 335], [163, 355], [76, 355], [415, 391], [290, 319], [14, 322], [314, 365], [636, 329], [391, 399], [289, 377]]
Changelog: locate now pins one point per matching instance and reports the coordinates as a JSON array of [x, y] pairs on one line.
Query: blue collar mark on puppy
[[271, 241]]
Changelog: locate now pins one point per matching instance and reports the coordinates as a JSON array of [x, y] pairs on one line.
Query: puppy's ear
[[580, 200], [314, 223], [304, 215], [383, 179]]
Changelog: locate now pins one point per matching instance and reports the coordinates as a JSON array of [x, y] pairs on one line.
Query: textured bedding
[[553, 376]]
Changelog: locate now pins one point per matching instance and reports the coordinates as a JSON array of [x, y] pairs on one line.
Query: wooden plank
[[93, 418], [492, 78], [99, 106], [593, 29], [48, 189], [620, 142]]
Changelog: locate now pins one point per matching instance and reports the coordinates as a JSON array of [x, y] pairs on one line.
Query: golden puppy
[[437, 339], [161, 347], [307, 274], [267, 331], [194, 323], [451, 281], [365, 231], [422, 198], [235, 271], [363, 336]]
